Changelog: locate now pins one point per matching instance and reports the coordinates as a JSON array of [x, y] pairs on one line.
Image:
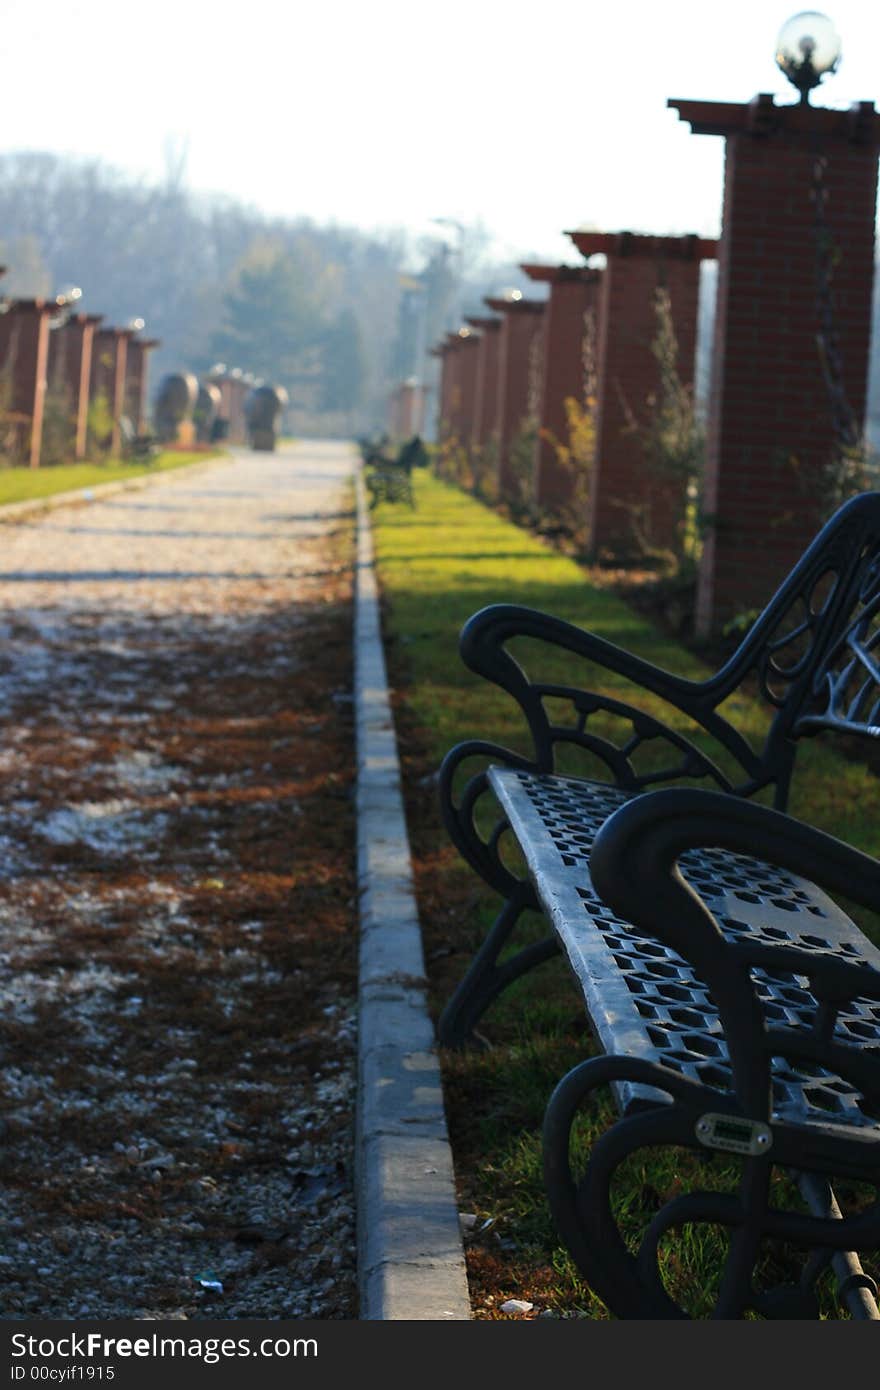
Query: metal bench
[[390, 480], [136, 445], [736, 1007]]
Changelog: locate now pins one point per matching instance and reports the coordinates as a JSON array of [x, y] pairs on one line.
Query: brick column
[[238, 390], [574, 293], [70, 367], [485, 383], [771, 435], [465, 352], [521, 323], [109, 353], [222, 383], [449, 421], [233, 389], [452, 390], [412, 416], [24, 360], [444, 389], [457, 386], [406, 410], [136, 375], [625, 492], [208, 407]]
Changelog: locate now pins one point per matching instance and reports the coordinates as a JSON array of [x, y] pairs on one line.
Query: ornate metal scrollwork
[[847, 684], [629, 1280]]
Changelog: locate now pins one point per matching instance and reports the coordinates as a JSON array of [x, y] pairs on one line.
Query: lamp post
[[807, 49], [453, 308]]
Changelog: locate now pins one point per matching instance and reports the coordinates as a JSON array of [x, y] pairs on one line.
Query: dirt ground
[[177, 898]]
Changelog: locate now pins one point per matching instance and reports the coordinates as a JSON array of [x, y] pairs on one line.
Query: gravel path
[[177, 954]]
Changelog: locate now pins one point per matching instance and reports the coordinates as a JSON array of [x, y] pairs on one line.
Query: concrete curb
[[410, 1256], [82, 496]]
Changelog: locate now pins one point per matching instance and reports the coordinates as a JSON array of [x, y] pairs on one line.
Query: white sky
[[533, 117]]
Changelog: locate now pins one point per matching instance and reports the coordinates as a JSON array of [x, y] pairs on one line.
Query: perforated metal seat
[[642, 998]]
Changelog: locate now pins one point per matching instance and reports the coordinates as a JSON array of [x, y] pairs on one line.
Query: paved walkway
[[179, 1089]]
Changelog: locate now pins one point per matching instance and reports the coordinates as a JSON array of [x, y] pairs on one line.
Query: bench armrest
[[634, 868], [459, 812], [483, 650], [647, 836]]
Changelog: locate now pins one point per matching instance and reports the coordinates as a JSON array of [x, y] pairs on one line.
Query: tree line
[[318, 309], [215, 280]]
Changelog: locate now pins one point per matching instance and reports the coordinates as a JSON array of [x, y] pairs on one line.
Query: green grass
[[438, 565], [27, 484], [451, 556]]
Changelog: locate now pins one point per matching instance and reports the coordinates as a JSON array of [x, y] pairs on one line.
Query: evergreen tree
[[343, 363], [273, 317]]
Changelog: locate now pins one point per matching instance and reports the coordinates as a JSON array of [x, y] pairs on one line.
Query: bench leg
[[583, 1211], [631, 1284], [486, 979], [855, 1289]]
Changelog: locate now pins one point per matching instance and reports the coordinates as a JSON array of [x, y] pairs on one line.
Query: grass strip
[[438, 564], [30, 484]]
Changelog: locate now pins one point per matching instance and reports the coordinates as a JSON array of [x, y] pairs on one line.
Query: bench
[[390, 480], [735, 1005], [136, 445]]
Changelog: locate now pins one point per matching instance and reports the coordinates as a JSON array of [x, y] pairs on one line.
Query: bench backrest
[[412, 454], [812, 648], [811, 653]]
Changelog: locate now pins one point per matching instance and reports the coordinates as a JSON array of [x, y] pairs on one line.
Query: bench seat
[[643, 1000]]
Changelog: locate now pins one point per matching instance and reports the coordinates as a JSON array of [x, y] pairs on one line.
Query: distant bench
[[390, 479], [736, 1007], [136, 445]]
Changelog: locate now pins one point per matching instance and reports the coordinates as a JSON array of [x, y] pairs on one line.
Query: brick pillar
[[222, 384], [447, 405], [414, 415], [625, 491], [452, 384], [458, 384], [136, 377], [232, 390], [109, 353], [24, 360], [485, 384], [770, 431], [238, 390], [406, 410], [465, 349], [439, 352], [574, 293], [70, 367], [521, 324]]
